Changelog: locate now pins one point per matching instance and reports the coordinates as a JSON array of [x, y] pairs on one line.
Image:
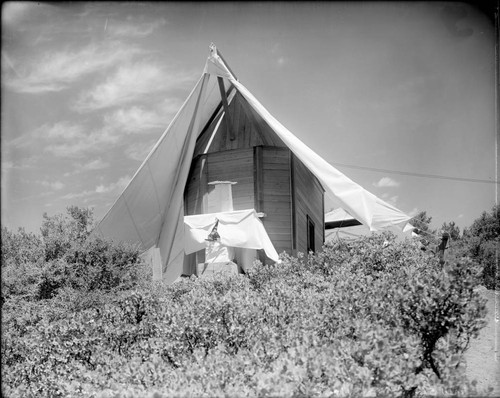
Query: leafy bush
[[61, 231], [21, 248], [358, 319], [481, 242], [66, 256]]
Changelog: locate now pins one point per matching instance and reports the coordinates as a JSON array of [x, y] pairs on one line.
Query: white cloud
[[96, 164], [55, 185], [140, 120], [57, 70], [93, 165], [95, 141], [135, 119], [60, 130], [139, 151], [115, 186], [393, 200], [77, 195], [100, 189], [386, 182], [68, 140], [62, 139], [133, 29], [133, 82], [390, 199], [6, 165], [19, 163], [413, 212]]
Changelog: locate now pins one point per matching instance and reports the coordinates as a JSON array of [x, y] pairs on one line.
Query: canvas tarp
[[150, 210]]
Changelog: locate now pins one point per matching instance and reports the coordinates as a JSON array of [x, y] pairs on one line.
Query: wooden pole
[[226, 109], [442, 247]]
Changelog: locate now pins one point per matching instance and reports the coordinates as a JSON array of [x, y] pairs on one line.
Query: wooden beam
[[225, 63], [343, 223], [442, 247], [258, 178], [203, 181], [293, 201], [251, 118], [323, 215], [229, 124]]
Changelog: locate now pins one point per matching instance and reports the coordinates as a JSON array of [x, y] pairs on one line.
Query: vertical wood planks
[[258, 182]]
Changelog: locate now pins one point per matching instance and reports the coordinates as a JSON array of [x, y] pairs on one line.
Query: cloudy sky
[[399, 96]]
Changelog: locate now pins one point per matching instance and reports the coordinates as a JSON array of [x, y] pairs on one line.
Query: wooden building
[[237, 145]]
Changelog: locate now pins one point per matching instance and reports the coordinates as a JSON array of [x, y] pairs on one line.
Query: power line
[[441, 177]]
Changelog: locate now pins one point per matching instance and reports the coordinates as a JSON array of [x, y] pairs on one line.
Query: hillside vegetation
[[80, 317]]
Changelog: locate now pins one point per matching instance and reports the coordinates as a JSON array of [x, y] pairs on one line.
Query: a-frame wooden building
[[238, 145]]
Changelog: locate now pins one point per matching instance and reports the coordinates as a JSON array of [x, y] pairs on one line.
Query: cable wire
[[478, 180]]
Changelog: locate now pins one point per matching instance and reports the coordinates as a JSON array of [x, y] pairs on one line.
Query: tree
[[422, 221], [482, 244], [487, 226], [60, 231], [21, 247], [452, 229]]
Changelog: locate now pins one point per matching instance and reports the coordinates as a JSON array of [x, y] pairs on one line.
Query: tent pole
[[225, 63], [229, 123]]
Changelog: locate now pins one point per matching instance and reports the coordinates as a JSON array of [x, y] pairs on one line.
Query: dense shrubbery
[[64, 257], [358, 319], [480, 242]]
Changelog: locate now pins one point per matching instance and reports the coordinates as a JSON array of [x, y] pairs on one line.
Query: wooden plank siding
[[196, 187], [308, 201], [276, 197], [249, 129], [237, 166]]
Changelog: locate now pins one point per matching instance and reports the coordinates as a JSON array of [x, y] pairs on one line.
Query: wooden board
[[277, 196], [308, 201]]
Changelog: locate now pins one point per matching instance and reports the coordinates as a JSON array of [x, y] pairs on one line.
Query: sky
[[389, 93]]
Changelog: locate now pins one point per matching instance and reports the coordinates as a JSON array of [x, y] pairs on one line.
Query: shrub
[[97, 264], [358, 319], [61, 231], [21, 248]]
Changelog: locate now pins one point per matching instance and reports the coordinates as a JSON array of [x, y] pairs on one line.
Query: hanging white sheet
[[241, 228]]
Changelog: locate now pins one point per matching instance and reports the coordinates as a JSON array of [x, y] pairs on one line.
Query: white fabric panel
[[241, 228], [171, 243], [341, 191], [143, 202], [119, 226], [170, 240], [162, 162], [161, 179], [153, 259]]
